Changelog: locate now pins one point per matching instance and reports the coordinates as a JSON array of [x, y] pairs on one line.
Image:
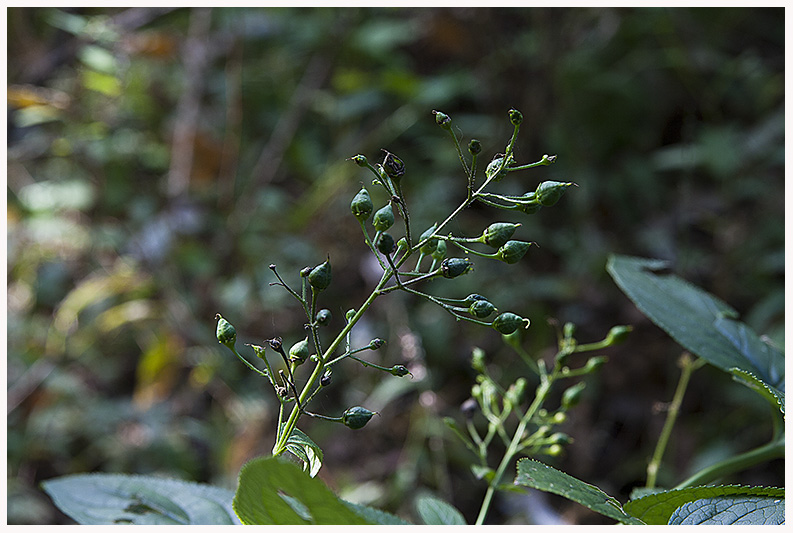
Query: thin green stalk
[[471, 198], [370, 244], [291, 422], [459, 152], [773, 450], [687, 365], [513, 448]]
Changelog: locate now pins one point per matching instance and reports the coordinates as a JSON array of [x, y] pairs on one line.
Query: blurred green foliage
[[159, 159]]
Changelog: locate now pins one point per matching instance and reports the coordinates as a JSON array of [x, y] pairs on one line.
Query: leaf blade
[[540, 476], [697, 320], [658, 508], [305, 449], [276, 492], [728, 511], [773, 395], [436, 512], [101, 499]]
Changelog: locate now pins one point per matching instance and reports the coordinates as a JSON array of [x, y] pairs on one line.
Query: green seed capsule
[[554, 450], [618, 334], [481, 309], [474, 147], [431, 244], [356, 417], [455, 266], [559, 438], [385, 244], [399, 371], [323, 317], [225, 332], [320, 276], [361, 205], [360, 160], [383, 218], [507, 323], [298, 353], [515, 116], [549, 192], [471, 298], [376, 344], [476, 391], [498, 233], [572, 395], [443, 120], [512, 251], [518, 389], [440, 251], [393, 166], [495, 164], [593, 363], [326, 378]]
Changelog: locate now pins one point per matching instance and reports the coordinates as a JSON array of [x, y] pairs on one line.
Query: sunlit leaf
[[274, 491], [548, 479]]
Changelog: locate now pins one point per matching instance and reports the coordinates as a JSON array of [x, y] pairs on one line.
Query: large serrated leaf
[[93, 499], [539, 476], [658, 508], [273, 491], [697, 320], [728, 511], [773, 395], [436, 512], [760, 355]]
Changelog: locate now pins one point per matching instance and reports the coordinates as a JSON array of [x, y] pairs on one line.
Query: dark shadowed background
[[160, 159]]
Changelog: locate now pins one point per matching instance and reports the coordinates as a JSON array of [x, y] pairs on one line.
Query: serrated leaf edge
[[667, 496]]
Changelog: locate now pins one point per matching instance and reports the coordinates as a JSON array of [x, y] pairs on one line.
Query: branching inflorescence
[[407, 264]]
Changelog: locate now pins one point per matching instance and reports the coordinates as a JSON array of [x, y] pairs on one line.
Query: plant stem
[[291, 422], [514, 446], [773, 450], [687, 365], [468, 171]]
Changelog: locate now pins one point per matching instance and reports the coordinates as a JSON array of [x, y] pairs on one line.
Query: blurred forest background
[[160, 159]]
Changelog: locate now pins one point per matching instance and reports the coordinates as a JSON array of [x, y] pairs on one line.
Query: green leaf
[[276, 492], [741, 510], [697, 320], [436, 512], [376, 516], [92, 499], [658, 508], [539, 476], [305, 449], [774, 396]]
